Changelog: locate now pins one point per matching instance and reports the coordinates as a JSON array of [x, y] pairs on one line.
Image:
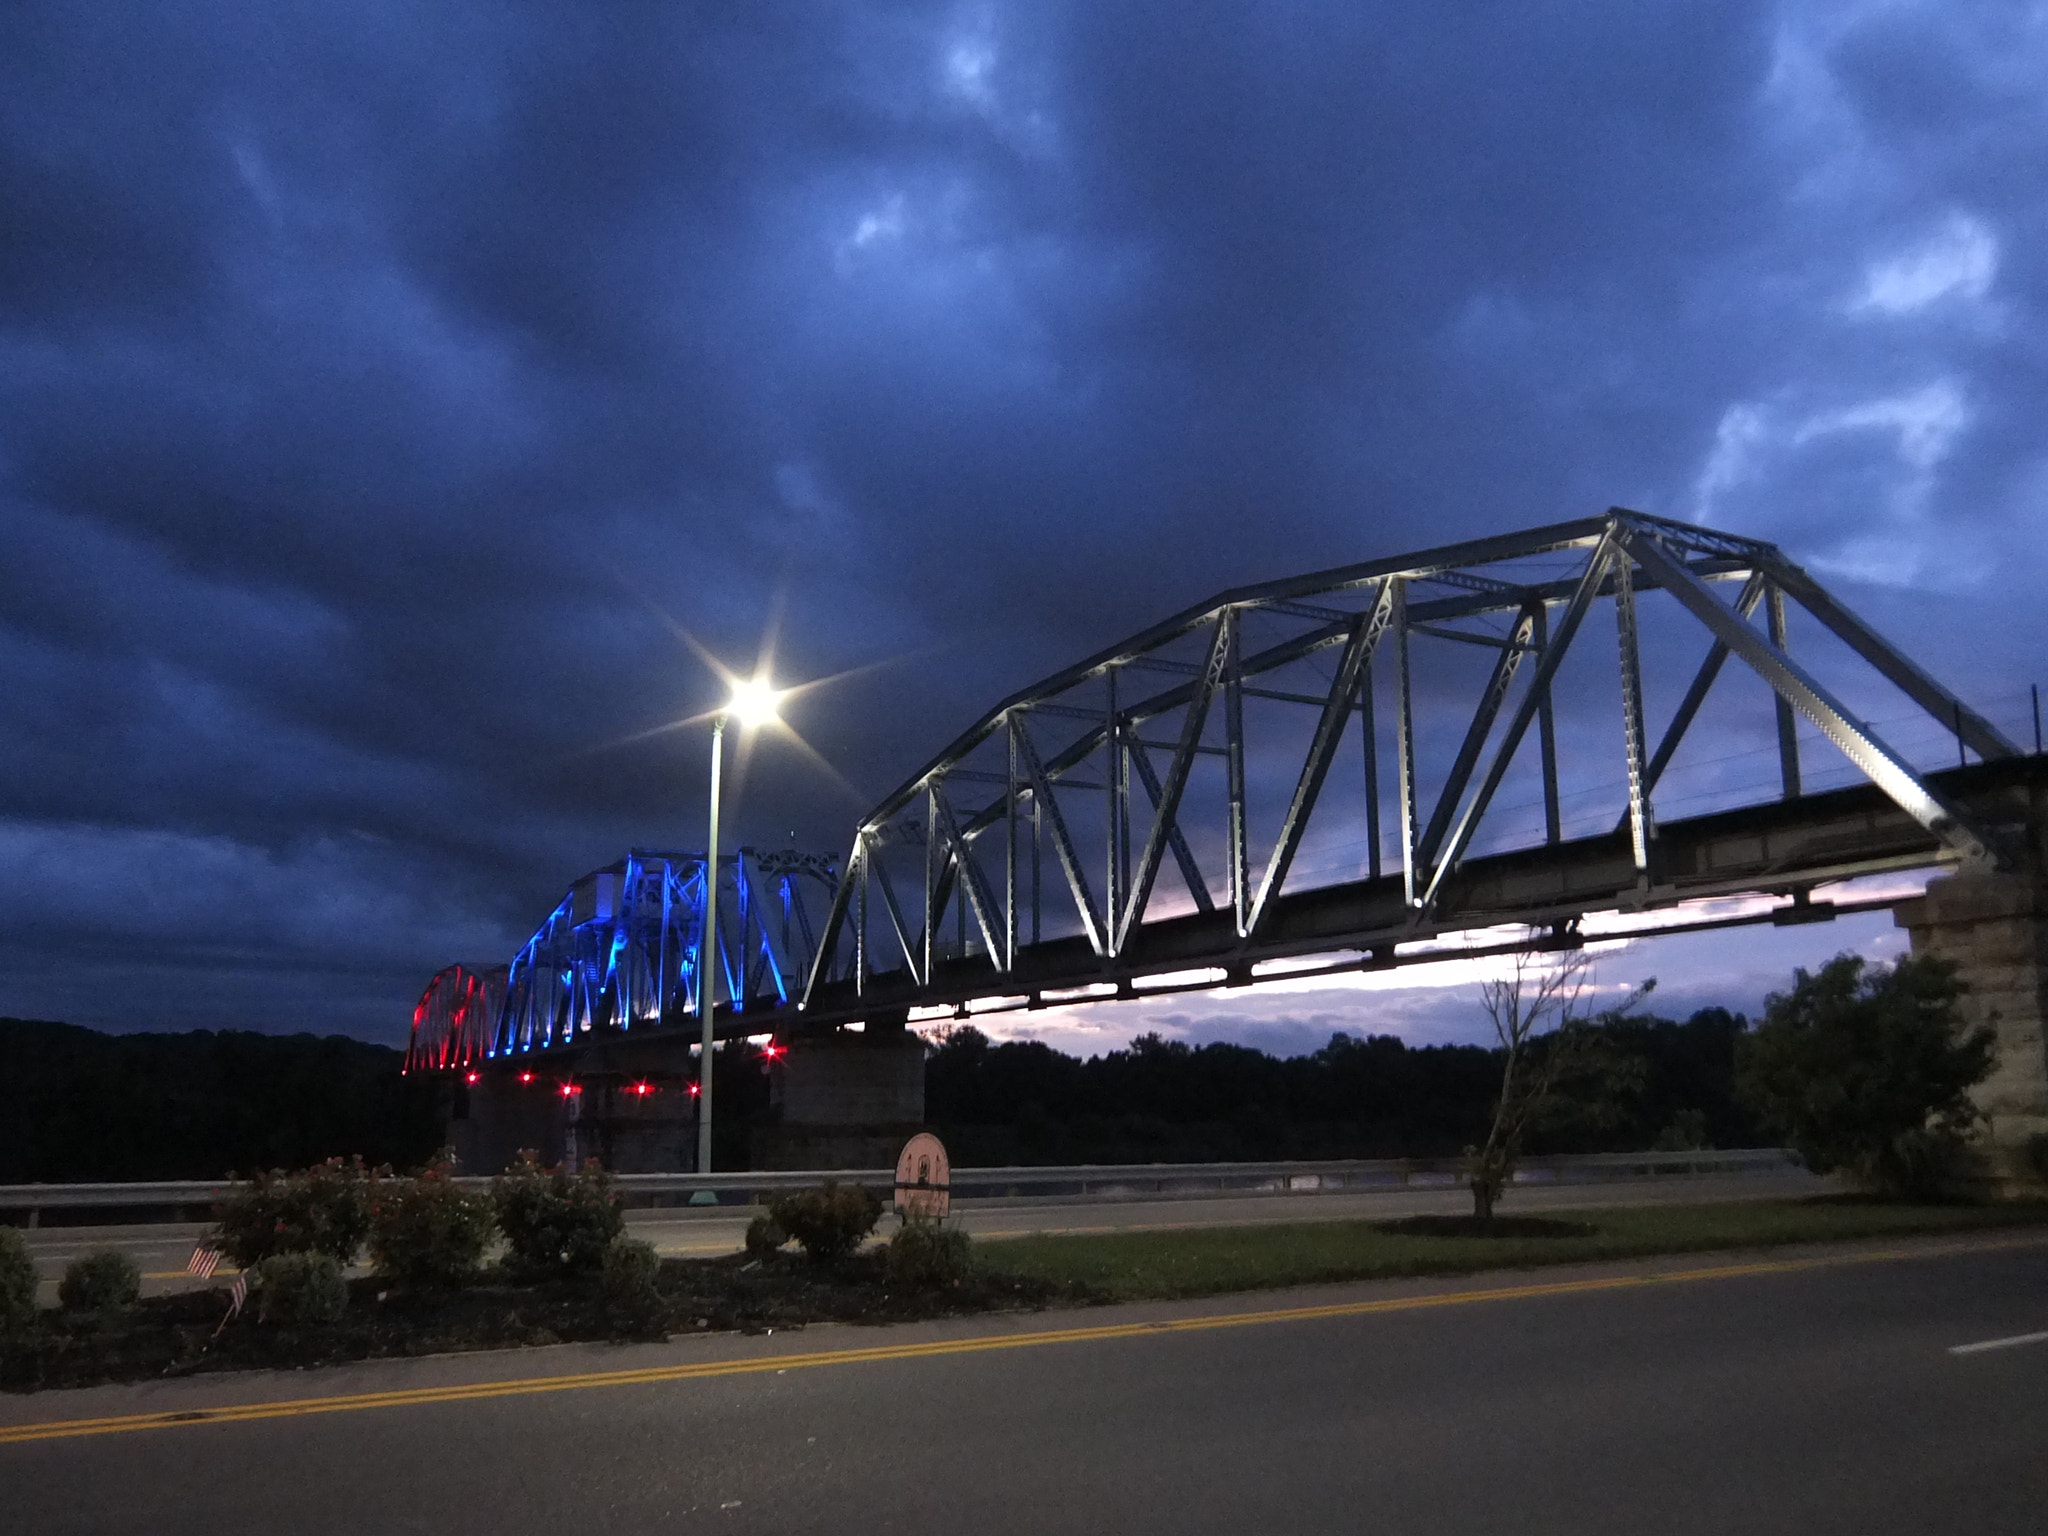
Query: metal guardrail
[[1091, 1180]]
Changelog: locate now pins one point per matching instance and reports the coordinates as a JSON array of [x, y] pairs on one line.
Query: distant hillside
[[85, 1105]]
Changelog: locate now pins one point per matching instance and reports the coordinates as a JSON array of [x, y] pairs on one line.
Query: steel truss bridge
[[1171, 813]]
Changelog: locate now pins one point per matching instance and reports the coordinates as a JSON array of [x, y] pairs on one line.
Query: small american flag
[[205, 1261], [238, 1293]]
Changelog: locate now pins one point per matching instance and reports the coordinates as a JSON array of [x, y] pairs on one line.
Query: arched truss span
[[622, 949], [1107, 823], [453, 1020]]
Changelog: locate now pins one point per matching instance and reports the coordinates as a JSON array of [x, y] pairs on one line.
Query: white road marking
[[2012, 1343]]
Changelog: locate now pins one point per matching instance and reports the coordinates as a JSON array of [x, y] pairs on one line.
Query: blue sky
[[373, 380]]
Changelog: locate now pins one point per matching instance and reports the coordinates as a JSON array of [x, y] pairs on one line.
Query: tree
[[1868, 1069], [1554, 1063]]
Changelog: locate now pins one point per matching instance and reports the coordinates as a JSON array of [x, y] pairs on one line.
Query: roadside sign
[[924, 1177]]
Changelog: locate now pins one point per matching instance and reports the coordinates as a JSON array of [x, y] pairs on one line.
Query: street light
[[753, 703]]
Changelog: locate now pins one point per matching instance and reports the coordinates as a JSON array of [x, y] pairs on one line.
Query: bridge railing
[[1073, 1182]]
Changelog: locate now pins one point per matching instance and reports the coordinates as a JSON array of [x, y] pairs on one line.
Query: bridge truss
[[1104, 825], [623, 948], [454, 1019]]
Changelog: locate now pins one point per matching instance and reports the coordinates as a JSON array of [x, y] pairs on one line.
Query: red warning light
[[526, 1077], [471, 1077], [694, 1090], [570, 1090], [643, 1089]]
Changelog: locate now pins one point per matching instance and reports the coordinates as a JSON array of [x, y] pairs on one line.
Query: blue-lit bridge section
[[621, 951]]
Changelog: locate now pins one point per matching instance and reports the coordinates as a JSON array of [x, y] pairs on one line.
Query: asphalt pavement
[[1828, 1390], [163, 1249]]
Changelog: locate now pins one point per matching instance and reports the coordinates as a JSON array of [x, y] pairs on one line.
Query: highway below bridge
[[1865, 1389]]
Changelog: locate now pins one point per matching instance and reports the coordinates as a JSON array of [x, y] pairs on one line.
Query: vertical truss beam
[[1010, 848], [1546, 729], [1366, 630], [1371, 742], [1546, 669], [933, 894], [1696, 692], [1404, 745], [1233, 748], [860, 925], [1062, 843], [1113, 788], [1788, 725], [1642, 823], [1165, 825], [1884, 767]]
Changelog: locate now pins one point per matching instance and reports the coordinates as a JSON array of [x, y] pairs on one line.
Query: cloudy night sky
[[380, 386]]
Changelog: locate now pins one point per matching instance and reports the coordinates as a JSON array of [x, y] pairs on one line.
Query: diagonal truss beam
[[1183, 855], [972, 882], [1365, 635], [895, 910], [1539, 689], [1978, 733], [1495, 694], [1062, 842], [1884, 767], [1164, 818]]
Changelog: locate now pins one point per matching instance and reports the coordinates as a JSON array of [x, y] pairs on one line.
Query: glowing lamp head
[[754, 701], [471, 1077]]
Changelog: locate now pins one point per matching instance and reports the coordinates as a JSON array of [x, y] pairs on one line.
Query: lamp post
[[753, 703]]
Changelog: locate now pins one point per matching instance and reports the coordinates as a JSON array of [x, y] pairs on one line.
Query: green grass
[[1207, 1261]]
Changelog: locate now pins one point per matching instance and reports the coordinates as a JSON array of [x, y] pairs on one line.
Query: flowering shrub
[[428, 1233], [555, 1220], [323, 1209]]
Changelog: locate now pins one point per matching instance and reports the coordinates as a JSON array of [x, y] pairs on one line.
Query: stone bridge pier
[[1995, 928], [845, 1099]]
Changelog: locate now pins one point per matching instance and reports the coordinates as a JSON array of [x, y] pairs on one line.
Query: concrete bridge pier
[[1995, 928], [848, 1099]]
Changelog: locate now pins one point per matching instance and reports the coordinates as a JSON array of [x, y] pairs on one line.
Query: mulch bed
[[164, 1336], [1492, 1226]]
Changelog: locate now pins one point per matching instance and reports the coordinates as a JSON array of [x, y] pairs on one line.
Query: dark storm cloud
[[370, 377]]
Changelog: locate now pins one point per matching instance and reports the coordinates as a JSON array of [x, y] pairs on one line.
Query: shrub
[[17, 1281], [828, 1222], [427, 1233], [324, 1209], [1869, 1070], [301, 1289], [102, 1282], [629, 1274], [926, 1254], [555, 1220], [764, 1236]]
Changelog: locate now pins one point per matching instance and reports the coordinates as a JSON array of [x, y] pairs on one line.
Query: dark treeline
[[88, 1106], [1165, 1101]]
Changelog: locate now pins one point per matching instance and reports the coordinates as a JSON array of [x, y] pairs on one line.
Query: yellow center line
[[65, 1429]]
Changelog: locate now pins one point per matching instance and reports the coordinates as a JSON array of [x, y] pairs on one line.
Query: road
[[163, 1249], [1805, 1392]]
